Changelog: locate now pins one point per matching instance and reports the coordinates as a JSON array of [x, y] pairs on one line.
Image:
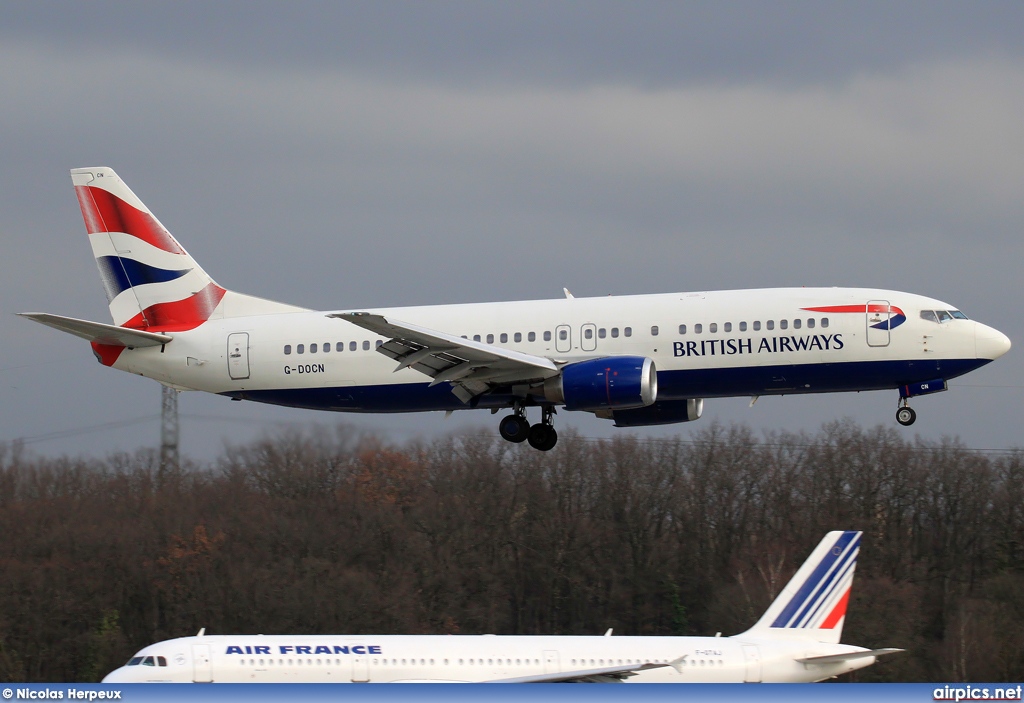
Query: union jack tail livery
[[813, 604], [151, 281]]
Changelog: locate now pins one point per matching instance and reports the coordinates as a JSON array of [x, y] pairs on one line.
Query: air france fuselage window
[[531, 337], [340, 346], [287, 349], [148, 661], [379, 342], [476, 338], [627, 331], [134, 661], [490, 339], [352, 346], [366, 345], [503, 338], [518, 337], [161, 661]]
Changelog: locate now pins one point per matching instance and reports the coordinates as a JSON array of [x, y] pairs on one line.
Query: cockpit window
[[943, 316], [929, 315], [162, 661], [958, 315], [148, 661], [134, 661]]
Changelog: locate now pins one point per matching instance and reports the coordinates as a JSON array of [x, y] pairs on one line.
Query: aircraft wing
[[839, 658], [471, 367], [99, 332], [606, 674]]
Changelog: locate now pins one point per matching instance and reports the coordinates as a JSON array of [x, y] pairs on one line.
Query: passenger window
[[743, 327], [824, 323], [757, 325], [783, 324], [698, 328], [287, 349], [366, 345], [547, 335], [602, 333], [713, 327], [627, 331], [770, 324], [654, 330], [327, 347], [490, 339], [563, 335], [925, 315], [476, 338], [682, 329], [380, 342], [727, 327], [531, 337], [300, 349], [796, 324], [352, 346], [503, 338], [518, 337], [615, 332], [340, 346], [810, 323], [312, 349], [589, 333]]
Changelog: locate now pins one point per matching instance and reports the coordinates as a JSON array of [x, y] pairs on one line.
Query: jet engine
[[666, 412], [610, 383]]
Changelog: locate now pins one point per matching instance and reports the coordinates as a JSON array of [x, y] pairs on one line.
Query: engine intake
[[610, 383]]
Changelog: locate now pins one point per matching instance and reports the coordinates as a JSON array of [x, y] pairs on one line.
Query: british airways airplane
[[796, 640], [636, 360]]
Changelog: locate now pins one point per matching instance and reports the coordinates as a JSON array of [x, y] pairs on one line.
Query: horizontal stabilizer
[[99, 332], [839, 658]]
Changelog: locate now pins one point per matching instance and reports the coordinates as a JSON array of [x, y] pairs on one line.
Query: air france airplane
[[796, 640], [636, 360]]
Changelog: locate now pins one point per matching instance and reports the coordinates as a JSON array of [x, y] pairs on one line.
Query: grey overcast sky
[[358, 154]]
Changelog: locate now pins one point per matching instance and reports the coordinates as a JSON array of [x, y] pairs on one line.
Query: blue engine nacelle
[[666, 412], [611, 383]]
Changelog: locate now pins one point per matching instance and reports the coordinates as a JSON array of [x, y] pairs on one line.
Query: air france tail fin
[[813, 604], [151, 282]]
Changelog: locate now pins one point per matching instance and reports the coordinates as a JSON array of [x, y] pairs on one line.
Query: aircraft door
[[563, 338], [551, 665], [238, 355], [360, 664], [588, 337], [202, 668], [752, 657], [878, 313]]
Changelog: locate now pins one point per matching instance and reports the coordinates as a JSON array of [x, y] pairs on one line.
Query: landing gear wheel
[[514, 428], [906, 416], [542, 437]]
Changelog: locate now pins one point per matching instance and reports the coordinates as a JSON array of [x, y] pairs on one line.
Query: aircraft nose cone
[[990, 343], [116, 676]]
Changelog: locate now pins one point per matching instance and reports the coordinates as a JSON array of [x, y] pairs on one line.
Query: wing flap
[[99, 332], [471, 367]]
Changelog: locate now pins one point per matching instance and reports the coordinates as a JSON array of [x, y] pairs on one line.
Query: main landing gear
[[905, 414], [516, 428]]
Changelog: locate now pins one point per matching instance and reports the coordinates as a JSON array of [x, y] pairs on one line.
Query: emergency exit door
[[238, 355]]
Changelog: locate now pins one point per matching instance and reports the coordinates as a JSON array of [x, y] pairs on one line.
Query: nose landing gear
[[516, 428], [905, 414]]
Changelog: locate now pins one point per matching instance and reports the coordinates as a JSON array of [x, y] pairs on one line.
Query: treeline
[[329, 532]]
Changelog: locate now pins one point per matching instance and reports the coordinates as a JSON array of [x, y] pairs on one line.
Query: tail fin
[[812, 606], [150, 280]]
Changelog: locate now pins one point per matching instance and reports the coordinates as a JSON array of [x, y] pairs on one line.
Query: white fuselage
[[710, 344], [475, 658]]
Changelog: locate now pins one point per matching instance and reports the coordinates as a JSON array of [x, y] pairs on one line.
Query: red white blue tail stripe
[[151, 281], [813, 604]]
